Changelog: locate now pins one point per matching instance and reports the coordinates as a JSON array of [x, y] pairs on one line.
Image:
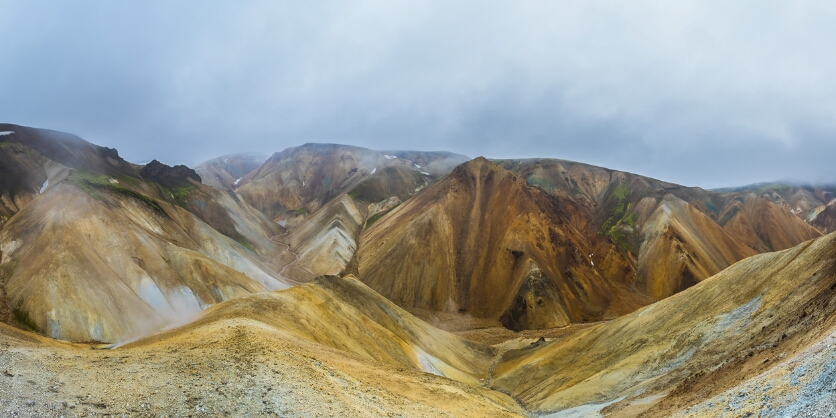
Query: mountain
[[482, 242], [756, 321], [564, 242], [224, 173], [807, 202], [107, 251], [300, 180], [653, 220]]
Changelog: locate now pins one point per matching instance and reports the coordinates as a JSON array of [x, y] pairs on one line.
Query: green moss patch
[[94, 184]]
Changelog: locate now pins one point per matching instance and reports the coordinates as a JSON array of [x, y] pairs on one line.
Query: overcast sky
[[700, 93]]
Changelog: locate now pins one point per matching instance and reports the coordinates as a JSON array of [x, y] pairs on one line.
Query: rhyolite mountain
[[693, 302], [97, 249]]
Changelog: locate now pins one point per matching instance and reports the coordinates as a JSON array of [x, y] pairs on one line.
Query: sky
[[701, 93]]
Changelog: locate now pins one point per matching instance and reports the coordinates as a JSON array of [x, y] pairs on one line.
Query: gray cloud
[[701, 93]]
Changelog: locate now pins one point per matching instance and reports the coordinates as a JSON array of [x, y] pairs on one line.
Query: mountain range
[[443, 284]]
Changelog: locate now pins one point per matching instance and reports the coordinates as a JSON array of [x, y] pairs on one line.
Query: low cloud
[[709, 94]]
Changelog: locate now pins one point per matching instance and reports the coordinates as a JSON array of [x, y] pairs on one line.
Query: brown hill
[[656, 223], [329, 348], [637, 239], [482, 242], [678, 352]]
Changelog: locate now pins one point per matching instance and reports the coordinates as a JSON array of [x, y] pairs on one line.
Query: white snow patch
[[389, 157], [425, 173], [226, 160], [417, 166], [43, 188], [374, 170], [236, 181], [4, 133], [593, 263]]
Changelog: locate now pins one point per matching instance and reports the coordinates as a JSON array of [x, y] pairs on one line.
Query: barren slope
[[332, 347], [67, 274], [689, 347], [104, 250]]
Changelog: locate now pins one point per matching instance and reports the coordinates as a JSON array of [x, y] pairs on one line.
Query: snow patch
[[226, 160], [4, 133], [425, 173], [236, 181], [374, 170], [389, 157], [43, 188], [417, 166]]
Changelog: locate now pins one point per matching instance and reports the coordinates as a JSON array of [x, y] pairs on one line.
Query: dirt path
[[287, 249]]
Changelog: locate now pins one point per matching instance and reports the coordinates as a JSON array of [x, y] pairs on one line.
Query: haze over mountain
[[305, 284]]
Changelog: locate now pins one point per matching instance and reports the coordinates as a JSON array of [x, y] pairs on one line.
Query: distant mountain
[[225, 173], [300, 180]]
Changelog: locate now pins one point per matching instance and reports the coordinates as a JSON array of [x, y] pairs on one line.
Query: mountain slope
[[657, 223], [331, 347], [481, 229], [67, 274], [690, 346], [180, 247]]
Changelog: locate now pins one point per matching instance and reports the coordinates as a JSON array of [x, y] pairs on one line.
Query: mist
[[711, 94]]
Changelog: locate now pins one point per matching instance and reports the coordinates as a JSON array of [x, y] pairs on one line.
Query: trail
[[287, 249]]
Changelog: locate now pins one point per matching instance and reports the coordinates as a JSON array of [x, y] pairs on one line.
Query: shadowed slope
[[727, 328]]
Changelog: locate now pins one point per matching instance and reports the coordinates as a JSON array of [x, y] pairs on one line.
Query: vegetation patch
[[248, 245], [181, 193], [374, 218], [542, 183], [22, 317], [94, 184], [620, 217]]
